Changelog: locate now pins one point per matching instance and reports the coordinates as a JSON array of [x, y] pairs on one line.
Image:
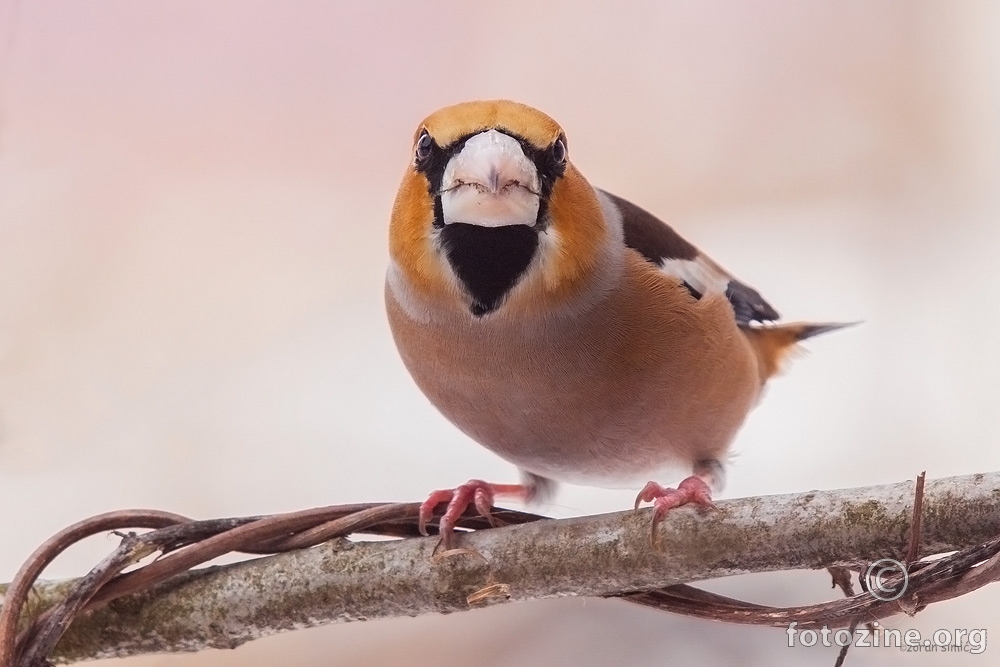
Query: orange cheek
[[579, 227], [410, 227]]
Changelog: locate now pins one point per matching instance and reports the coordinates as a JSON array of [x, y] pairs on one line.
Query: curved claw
[[427, 507], [657, 518], [649, 493], [483, 499]]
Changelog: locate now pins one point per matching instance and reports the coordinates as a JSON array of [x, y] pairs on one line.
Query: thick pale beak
[[491, 183]]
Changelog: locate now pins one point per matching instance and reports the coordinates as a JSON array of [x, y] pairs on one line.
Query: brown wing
[[657, 241]]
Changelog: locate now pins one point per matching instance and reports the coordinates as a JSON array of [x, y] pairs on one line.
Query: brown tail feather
[[773, 343]]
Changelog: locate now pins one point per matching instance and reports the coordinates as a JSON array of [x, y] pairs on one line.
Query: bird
[[562, 327]]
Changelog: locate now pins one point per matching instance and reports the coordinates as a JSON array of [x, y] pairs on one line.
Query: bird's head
[[492, 214]]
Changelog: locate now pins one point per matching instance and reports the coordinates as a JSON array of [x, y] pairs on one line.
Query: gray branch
[[223, 607]]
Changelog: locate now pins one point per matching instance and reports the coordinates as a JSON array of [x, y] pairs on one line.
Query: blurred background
[[193, 207]]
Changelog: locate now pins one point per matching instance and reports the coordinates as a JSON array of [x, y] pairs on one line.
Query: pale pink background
[[193, 207]]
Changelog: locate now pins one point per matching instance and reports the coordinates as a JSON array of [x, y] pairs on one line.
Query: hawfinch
[[562, 327]]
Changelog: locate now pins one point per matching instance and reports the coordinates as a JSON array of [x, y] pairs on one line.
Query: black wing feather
[[657, 241]]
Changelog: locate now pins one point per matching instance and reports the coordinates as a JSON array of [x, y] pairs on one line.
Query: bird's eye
[[423, 150], [559, 151]]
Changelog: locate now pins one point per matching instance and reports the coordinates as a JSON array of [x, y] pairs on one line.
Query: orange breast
[[647, 377]]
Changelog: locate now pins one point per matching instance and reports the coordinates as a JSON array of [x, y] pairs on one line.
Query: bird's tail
[[773, 343]]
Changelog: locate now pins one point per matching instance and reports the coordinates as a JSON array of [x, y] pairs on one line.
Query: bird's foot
[[692, 491], [474, 492]]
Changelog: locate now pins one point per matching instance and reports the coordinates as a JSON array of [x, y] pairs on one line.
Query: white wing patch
[[702, 278]]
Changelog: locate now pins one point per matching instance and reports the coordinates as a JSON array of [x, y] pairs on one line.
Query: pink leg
[[476, 492], [693, 490]]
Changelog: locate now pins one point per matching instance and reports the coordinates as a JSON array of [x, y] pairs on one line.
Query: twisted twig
[[187, 544]]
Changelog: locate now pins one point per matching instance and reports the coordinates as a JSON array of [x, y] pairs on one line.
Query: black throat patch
[[488, 260]]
